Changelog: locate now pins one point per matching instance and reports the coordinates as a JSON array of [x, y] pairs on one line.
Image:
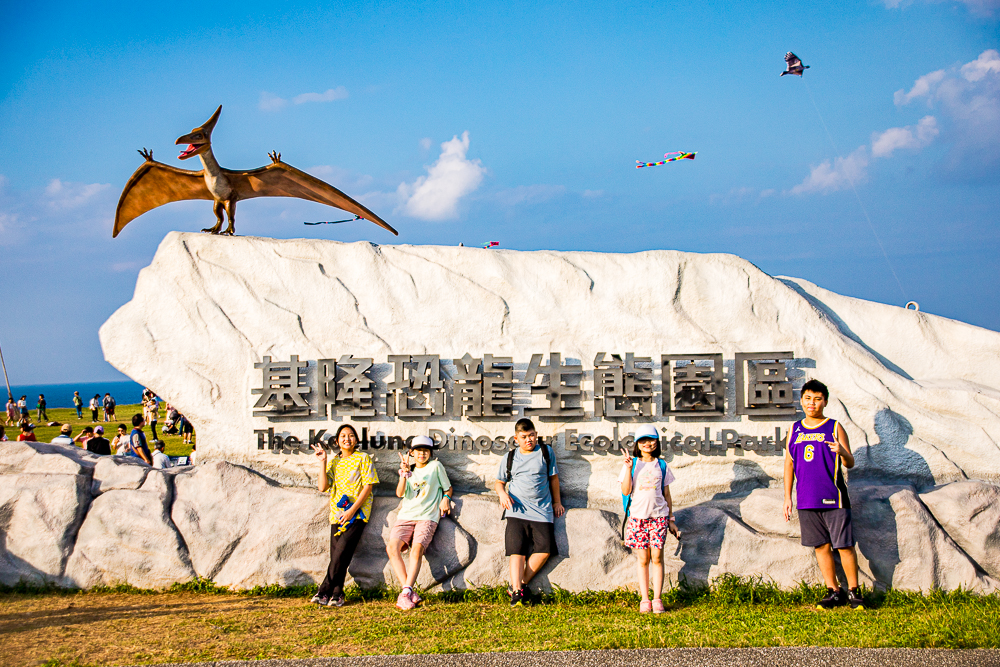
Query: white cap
[[646, 431], [421, 441]]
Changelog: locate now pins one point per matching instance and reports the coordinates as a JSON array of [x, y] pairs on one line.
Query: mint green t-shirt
[[424, 490]]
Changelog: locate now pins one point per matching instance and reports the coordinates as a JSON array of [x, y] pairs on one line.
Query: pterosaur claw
[[146, 153], [275, 157]]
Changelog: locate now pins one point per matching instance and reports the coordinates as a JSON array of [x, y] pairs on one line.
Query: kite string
[[850, 180]]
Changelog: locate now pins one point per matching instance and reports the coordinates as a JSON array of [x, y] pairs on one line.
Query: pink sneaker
[[645, 607], [404, 602], [416, 598], [658, 607]]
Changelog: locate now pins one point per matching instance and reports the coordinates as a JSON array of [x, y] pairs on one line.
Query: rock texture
[[228, 523], [917, 394]]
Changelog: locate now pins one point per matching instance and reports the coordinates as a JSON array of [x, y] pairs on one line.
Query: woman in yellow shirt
[[350, 478]]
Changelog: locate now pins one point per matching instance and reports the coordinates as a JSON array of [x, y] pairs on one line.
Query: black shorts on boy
[[523, 537], [832, 526]]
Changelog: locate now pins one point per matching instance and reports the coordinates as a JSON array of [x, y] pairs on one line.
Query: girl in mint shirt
[[426, 493]]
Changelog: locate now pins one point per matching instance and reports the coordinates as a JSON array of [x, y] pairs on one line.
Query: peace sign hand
[[320, 454]]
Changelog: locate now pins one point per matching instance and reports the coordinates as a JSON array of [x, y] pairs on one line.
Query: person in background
[[160, 460], [113, 405], [78, 404], [106, 404], [137, 441], [152, 409], [27, 432], [99, 444], [120, 443], [86, 434], [187, 430], [11, 411], [22, 407], [95, 405], [65, 436], [3, 434], [191, 457], [43, 415]]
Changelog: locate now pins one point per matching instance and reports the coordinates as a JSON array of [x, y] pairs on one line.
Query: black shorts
[[831, 527], [523, 537]]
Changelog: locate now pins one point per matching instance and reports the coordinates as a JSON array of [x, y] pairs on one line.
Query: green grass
[[174, 443], [63, 627]]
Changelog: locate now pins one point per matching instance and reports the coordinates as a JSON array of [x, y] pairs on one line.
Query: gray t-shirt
[[529, 487]]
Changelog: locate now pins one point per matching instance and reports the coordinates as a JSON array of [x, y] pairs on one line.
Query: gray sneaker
[[321, 600], [337, 601]]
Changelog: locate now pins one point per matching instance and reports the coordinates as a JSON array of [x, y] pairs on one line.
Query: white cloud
[[425, 143], [969, 101], [61, 195], [987, 63], [841, 173], [529, 194], [453, 176], [331, 95], [592, 194], [921, 87], [911, 137], [269, 102]]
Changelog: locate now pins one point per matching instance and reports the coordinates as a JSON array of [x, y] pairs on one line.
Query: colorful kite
[[333, 222], [490, 244], [793, 65], [670, 157]]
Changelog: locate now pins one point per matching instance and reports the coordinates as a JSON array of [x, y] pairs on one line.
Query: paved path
[[668, 657]]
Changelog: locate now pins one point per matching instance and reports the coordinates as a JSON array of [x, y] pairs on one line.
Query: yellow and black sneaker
[[834, 598], [854, 599], [516, 598]]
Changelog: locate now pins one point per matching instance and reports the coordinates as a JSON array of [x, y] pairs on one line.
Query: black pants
[[342, 548]]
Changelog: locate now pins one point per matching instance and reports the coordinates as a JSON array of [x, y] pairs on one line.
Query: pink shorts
[[408, 532], [646, 533]]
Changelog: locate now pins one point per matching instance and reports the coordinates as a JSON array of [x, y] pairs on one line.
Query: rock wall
[[917, 395], [74, 519]]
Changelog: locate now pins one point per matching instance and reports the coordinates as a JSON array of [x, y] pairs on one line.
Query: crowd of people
[[91, 438], [527, 484]]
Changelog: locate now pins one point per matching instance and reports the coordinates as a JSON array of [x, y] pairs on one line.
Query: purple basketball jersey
[[820, 480]]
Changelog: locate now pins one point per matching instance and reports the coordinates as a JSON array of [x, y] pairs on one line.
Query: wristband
[[448, 497]]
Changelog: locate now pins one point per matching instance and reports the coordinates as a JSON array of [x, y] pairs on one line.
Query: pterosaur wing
[[155, 184], [282, 180]]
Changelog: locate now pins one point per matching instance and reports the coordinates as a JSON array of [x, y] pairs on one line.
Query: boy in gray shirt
[[528, 486]]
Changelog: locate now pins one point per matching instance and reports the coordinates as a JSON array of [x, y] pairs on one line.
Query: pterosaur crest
[[154, 184]]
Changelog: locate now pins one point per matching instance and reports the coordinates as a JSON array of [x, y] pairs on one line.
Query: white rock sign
[[916, 394]]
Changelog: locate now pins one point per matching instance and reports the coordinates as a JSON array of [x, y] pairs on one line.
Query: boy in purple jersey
[[816, 447]]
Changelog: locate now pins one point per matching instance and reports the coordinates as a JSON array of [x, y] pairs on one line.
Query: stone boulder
[[118, 472], [129, 538], [40, 515], [906, 546], [970, 513]]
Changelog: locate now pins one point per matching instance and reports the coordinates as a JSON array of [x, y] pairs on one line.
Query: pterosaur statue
[[155, 184]]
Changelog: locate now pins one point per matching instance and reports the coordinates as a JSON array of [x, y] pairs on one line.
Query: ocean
[[125, 392]]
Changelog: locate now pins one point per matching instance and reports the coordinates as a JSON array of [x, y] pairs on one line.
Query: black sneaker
[[834, 598], [516, 599], [530, 597], [854, 599]]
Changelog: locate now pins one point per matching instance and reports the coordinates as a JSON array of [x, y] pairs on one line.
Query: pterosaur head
[[199, 139]]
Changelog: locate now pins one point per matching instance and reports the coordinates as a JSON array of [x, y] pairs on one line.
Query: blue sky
[[511, 122]]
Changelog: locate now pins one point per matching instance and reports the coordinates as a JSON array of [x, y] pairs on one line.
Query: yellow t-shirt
[[346, 477]]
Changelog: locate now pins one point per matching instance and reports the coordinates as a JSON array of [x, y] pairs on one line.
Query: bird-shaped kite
[[793, 65], [154, 184], [669, 157]]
